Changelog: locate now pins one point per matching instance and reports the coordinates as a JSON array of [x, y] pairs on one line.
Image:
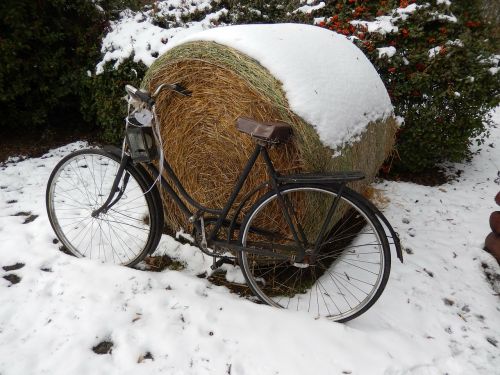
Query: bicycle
[[105, 204]]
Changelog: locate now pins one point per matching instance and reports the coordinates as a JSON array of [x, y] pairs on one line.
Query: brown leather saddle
[[272, 132]]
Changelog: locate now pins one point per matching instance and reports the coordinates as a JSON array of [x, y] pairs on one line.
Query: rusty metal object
[[495, 222], [492, 245]]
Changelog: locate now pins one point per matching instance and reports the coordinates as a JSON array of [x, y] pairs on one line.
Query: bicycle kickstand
[[222, 260]]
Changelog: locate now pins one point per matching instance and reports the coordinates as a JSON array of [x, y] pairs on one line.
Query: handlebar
[[144, 96], [177, 87], [139, 95]]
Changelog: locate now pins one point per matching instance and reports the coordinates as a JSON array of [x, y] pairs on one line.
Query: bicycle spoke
[[341, 280], [81, 183], [132, 238]]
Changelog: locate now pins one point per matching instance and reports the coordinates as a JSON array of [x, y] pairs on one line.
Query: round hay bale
[[201, 141]]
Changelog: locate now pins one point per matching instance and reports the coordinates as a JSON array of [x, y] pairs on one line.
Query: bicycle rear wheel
[[346, 275], [124, 234]]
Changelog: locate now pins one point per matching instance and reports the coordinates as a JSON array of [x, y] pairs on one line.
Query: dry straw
[[202, 143]]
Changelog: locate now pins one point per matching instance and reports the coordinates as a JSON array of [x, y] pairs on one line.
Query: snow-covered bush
[[435, 58]]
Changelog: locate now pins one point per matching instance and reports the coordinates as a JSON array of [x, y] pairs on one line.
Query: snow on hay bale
[[311, 78]]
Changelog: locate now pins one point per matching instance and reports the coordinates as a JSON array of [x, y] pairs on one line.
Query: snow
[[386, 51], [382, 25], [135, 34], [404, 12], [444, 17], [456, 43], [492, 60], [386, 24], [437, 315], [434, 51], [318, 20], [179, 8], [308, 9], [322, 74]]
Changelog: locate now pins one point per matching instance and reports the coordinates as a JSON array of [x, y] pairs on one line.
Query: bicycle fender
[[380, 215], [394, 234], [113, 150], [370, 206]]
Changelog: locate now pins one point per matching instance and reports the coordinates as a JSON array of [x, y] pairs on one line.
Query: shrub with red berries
[[437, 60]]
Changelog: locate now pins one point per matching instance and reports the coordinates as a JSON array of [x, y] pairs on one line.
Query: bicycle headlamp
[[140, 141]]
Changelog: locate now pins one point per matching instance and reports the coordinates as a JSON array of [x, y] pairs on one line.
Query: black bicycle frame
[[274, 182], [221, 214]]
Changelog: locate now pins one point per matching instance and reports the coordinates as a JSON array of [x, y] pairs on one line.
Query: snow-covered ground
[[438, 314]]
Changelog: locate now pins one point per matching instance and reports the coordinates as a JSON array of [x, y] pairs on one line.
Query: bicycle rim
[[80, 184], [349, 271]]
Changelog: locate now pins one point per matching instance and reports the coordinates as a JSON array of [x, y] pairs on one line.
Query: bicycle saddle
[[273, 132]]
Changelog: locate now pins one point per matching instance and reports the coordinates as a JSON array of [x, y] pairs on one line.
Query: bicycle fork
[[305, 255], [110, 202]]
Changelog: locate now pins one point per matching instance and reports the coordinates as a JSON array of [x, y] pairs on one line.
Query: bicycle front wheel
[[124, 234], [347, 255]]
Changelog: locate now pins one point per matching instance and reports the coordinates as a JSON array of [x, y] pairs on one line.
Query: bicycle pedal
[[220, 262]]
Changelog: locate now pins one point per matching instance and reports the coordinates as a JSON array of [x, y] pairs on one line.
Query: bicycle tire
[[351, 269], [127, 232]]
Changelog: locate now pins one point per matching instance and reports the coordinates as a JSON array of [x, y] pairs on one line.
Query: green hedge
[[45, 49], [105, 102]]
